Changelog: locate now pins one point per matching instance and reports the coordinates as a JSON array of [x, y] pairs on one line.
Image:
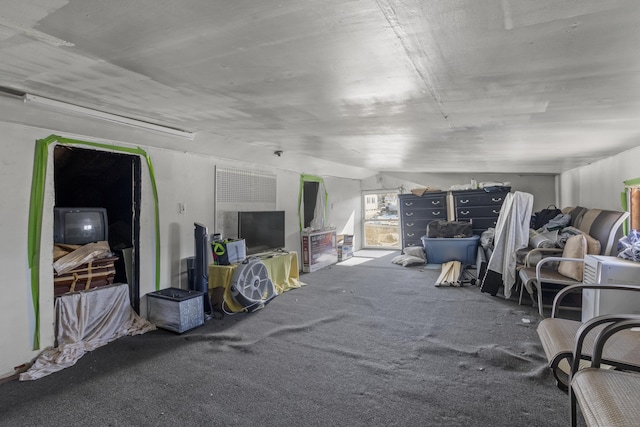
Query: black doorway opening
[[310, 197], [93, 178]]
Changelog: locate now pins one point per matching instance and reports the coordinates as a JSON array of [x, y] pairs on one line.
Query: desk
[[282, 269]]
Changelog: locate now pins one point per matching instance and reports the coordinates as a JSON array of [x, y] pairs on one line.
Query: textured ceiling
[[386, 85]]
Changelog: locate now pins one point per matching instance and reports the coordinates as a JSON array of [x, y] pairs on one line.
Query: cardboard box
[[100, 272], [236, 250], [318, 249], [345, 246], [344, 252], [345, 239], [232, 251]]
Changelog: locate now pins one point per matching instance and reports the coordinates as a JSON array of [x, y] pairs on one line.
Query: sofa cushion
[[587, 220], [593, 245], [576, 215], [576, 247]]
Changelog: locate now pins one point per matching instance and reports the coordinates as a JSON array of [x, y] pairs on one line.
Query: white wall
[[16, 309], [600, 184], [344, 211]]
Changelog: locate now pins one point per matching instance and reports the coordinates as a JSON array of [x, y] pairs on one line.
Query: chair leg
[[520, 299], [523, 286], [573, 407], [562, 379], [539, 290]]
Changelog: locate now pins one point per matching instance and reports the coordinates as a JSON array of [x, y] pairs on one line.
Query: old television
[[79, 226], [262, 231]]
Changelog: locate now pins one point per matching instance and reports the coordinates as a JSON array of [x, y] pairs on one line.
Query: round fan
[[251, 286]]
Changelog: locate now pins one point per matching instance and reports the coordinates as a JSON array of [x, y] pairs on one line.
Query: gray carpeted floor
[[373, 344]]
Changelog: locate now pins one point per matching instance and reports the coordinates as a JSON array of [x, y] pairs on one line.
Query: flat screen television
[[79, 226], [262, 231]]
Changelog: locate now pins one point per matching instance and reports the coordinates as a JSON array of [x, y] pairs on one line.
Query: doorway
[[92, 178], [310, 199], [380, 222]]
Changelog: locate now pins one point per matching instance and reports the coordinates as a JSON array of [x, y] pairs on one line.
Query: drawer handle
[[464, 201], [495, 211], [410, 234], [409, 213], [408, 203], [435, 202], [436, 213], [499, 199], [410, 224], [464, 212]]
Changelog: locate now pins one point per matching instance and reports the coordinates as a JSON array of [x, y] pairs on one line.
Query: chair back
[[604, 225]]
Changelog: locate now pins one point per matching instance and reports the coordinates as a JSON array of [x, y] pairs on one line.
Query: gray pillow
[[407, 260], [417, 251]]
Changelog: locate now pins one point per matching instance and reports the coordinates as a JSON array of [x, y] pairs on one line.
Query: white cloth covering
[[512, 233], [85, 321]]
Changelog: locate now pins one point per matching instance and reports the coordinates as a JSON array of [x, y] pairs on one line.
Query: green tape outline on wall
[[36, 206]]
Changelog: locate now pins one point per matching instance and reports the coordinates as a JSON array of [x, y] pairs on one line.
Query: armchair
[[568, 272], [601, 228], [607, 397], [558, 337]]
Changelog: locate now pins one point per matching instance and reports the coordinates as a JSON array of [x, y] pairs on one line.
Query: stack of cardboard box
[[345, 246]]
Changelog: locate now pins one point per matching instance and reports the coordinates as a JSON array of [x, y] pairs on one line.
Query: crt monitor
[[79, 226]]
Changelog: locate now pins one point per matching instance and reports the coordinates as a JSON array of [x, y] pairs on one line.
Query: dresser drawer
[[477, 212], [413, 234], [430, 214], [483, 223], [417, 225], [480, 225], [412, 241], [479, 199], [415, 202]]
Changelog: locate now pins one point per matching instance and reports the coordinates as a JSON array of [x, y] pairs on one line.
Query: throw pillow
[[407, 260], [593, 244], [416, 251], [576, 247]]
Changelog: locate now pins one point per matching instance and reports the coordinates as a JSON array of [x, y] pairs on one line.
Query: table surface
[[282, 269]]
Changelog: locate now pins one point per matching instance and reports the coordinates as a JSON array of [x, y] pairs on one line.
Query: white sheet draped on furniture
[[85, 321], [512, 233]]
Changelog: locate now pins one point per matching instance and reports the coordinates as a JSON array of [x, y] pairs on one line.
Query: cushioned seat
[[568, 272], [606, 397], [558, 341], [558, 337]]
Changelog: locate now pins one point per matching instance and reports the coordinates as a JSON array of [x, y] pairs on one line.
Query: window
[[381, 224]]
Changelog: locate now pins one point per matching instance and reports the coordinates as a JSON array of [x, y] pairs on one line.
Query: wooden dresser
[[418, 211], [478, 207]]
